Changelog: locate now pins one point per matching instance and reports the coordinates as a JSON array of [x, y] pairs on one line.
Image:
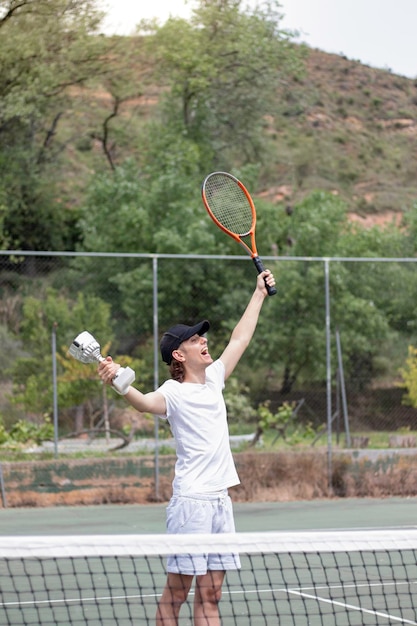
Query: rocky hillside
[[342, 127], [350, 129]]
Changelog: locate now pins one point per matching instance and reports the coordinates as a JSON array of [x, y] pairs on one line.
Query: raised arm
[[244, 329], [152, 402]]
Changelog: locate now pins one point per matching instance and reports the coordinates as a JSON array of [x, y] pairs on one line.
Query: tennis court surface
[[331, 576]]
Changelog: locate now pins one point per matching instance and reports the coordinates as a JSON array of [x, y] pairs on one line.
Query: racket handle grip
[[260, 268]]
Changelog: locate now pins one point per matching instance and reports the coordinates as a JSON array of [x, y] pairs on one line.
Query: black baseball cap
[[174, 336]]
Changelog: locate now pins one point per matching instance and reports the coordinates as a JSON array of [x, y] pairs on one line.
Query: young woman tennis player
[[192, 402]]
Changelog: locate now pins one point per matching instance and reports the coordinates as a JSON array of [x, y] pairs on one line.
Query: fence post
[[2, 488], [156, 369], [343, 388], [55, 389], [328, 374]]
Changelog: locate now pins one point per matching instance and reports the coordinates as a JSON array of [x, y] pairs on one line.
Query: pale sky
[[380, 33]]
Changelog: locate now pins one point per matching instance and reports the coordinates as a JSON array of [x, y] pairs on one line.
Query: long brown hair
[[176, 370]]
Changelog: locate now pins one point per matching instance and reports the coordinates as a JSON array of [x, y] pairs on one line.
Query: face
[[194, 352]]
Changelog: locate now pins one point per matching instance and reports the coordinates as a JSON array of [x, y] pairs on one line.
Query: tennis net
[[320, 577]]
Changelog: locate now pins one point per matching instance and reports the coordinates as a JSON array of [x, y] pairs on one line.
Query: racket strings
[[229, 204]]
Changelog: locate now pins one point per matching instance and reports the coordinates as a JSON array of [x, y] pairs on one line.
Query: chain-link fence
[[332, 342]]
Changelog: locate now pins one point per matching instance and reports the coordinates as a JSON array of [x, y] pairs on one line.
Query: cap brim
[[199, 329]]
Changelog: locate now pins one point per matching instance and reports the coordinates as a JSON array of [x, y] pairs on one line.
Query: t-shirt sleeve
[[170, 389]]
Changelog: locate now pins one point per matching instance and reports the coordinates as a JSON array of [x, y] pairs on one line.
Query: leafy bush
[[24, 431], [283, 423], [409, 376], [239, 409]]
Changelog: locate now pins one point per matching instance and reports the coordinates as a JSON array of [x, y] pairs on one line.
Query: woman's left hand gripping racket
[[231, 207]]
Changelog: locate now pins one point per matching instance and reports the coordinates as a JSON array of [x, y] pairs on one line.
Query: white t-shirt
[[198, 420]]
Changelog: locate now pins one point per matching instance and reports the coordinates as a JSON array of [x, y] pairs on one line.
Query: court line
[[81, 601], [352, 607], [299, 592]]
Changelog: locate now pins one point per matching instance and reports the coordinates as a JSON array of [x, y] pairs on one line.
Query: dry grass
[[304, 476], [393, 476], [279, 477]]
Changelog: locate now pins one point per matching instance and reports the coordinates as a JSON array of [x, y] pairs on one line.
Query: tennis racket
[[231, 207]]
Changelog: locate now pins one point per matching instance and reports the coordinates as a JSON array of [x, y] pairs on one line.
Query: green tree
[[32, 373], [129, 81], [223, 68], [162, 214], [293, 330], [45, 48]]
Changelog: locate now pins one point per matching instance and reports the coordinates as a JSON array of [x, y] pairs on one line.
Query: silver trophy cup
[[85, 348]]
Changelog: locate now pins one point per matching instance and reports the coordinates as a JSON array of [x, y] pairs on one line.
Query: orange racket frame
[[249, 224]]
